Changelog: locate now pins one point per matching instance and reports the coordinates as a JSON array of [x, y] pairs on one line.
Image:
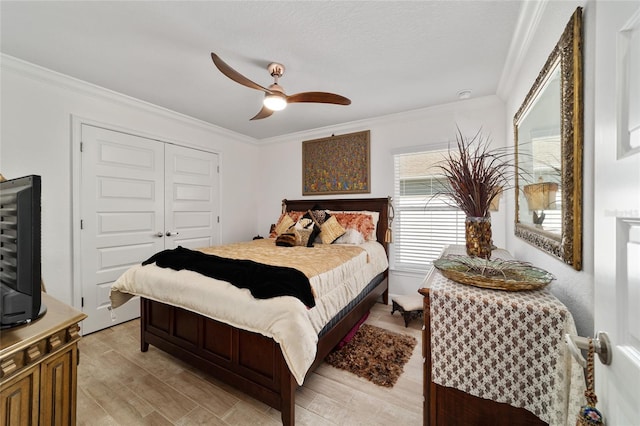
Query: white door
[[122, 214], [191, 194], [138, 196], [617, 206]]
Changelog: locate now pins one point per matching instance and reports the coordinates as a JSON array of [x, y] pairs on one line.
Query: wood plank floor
[[119, 385]]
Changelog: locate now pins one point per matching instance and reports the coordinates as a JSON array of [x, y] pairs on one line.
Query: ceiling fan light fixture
[[275, 102], [275, 98]]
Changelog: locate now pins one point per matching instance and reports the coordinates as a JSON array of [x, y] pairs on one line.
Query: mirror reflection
[[548, 131], [540, 159]]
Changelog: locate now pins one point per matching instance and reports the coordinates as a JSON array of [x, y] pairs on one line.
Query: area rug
[[375, 354]]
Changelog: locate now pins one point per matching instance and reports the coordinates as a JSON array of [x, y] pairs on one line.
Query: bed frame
[[251, 362]]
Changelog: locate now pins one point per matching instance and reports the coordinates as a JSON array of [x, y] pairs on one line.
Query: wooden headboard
[[380, 205]]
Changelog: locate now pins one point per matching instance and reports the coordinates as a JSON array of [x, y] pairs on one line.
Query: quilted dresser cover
[[505, 346]]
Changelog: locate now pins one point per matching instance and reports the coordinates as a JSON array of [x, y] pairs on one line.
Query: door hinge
[[218, 168], [81, 224], [81, 146], [218, 219], [82, 302]]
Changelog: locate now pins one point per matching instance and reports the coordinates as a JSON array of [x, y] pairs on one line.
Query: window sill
[[409, 272]]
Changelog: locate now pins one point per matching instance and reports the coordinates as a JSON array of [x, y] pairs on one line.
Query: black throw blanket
[[263, 281]]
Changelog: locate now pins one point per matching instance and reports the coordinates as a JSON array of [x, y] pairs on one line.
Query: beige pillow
[[302, 236], [284, 224], [331, 230]]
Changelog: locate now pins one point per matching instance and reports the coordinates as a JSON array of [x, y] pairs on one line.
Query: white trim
[[406, 272], [76, 138], [623, 81], [140, 133], [37, 72], [436, 146], [76, 260], [526, 27], [401, 117]]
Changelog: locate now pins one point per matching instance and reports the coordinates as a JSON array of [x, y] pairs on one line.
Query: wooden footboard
[[248, 361]]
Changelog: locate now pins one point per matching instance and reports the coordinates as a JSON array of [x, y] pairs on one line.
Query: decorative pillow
[[304, 229], [331, 230], [375, 217], [362, 222], [290, 218], [318, 216], [314, 215], [286, 240], [351, 236], [304, 223], [284, 224], [302, 237]]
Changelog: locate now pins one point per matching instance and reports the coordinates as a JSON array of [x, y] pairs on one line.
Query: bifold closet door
[[191, 197], [138, 196], [122, 211]]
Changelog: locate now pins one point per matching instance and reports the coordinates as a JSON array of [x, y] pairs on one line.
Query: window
[[547, 167], [424, 222]]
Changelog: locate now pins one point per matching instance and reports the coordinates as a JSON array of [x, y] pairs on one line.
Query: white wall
[[36, 138], [573, 288], [282, 172], [37, 106], [281, 159]]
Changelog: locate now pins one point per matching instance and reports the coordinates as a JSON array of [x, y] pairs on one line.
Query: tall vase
[[478, 236]]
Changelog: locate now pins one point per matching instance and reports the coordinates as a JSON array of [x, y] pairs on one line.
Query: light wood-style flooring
[[119, 385]]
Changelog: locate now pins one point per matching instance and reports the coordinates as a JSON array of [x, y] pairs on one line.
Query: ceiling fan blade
[[235, 75], [319, 97], [264, 113]]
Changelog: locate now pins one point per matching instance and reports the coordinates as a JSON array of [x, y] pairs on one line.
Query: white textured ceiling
[[387, 57]]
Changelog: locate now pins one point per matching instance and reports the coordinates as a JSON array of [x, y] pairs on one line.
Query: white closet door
[[191, 194], [138, 196], [122, 212]]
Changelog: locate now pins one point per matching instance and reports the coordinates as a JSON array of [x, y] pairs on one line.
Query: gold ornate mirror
[[548, 130]]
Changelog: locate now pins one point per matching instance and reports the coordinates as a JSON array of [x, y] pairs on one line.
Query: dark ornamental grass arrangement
[[477, 175]]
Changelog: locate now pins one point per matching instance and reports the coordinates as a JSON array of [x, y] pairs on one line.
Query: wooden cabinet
[[448, 406], [496, 357], [19, 398], [38, 368]]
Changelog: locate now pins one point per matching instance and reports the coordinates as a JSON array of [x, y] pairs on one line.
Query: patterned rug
[[375, 354]]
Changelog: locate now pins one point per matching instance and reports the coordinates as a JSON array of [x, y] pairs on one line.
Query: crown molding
[[38, 73], [526, 27], [390, 119]]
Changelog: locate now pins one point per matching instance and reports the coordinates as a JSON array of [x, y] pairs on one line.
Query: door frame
[[76, 166]]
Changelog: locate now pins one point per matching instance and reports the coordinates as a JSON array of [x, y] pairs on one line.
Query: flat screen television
[[20, 251]]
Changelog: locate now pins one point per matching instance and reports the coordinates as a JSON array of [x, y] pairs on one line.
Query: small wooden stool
[[410, 306]]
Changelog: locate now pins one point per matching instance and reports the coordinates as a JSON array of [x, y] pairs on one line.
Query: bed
[[254, 362]]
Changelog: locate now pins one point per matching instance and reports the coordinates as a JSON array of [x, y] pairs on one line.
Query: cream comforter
[[337, 274]]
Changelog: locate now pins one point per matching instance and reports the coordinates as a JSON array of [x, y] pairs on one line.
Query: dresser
[[38, 368], [496, 357]]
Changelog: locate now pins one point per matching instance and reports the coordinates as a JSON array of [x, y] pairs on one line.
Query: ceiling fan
[[275, 99]]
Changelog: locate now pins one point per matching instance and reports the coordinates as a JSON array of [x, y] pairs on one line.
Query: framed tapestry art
[[337, 165]]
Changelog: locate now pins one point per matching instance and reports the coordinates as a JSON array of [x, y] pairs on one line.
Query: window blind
[[424, 222]]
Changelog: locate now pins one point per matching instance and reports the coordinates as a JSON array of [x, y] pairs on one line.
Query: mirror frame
[[568, 52]]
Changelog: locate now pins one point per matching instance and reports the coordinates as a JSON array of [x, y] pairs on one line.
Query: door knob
[[601, 346], [169, 233], [159, 235]]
